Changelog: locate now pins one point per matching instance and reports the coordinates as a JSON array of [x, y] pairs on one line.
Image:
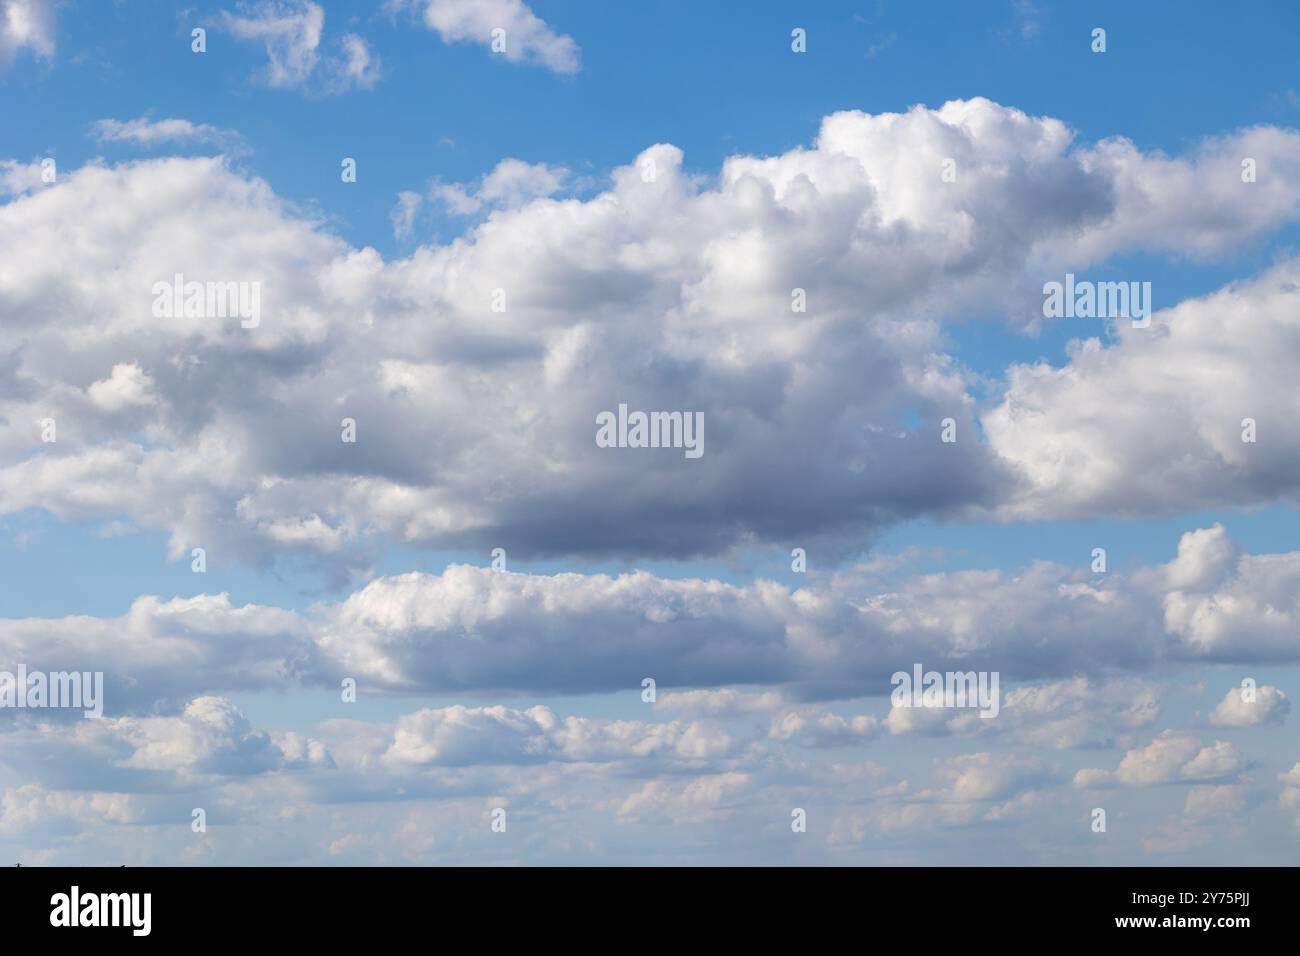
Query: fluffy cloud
[[665, 291], [1210, 802], [160, 654], [1229, 606], [1175, 440], [26, 23], [990, 776], [824, 729], [125, 387], [476, 628], [1078, 712], [1268, 705], [527, 38], [510, 184], [1172, 757], [17, 179], [23, 808], [209, 739]]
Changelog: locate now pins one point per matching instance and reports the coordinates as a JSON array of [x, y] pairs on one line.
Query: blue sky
[[1179, 95]]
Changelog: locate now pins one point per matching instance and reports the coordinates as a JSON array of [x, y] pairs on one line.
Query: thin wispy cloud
[[292, 33], [149, 133]]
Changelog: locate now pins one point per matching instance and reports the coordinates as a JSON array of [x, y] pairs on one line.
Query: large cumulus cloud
[[665, 291]]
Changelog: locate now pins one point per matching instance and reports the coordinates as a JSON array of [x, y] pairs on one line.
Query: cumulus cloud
[[1209, 802], [526, 38], [1080, 712], [663, 291], [990, 776], [1172, 757], [1077, 712], [26, 24], [474, 627], [510, 184], [17, 179], [1232, 607], [211, 738], [31, 805], [1190, 381], [1262, 705], [161, 654], [824, 729], [126, 386]]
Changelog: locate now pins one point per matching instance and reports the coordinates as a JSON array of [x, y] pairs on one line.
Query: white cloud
[[1077, 712], [473, 629], [1175, 442], [208, 740], [1289, 797], [990, 776], [510, 184], [821, 729], [127, 386], [513, 183], [17, 179], [25, 807], [705, 799], [669, 293], [146, 132], [1177, 757], [721, 702], [1235, 607], [457, 736], [1267, 705], [26, 24], [527, 38], [291, 31], [404, 213], [359, 67], [1208, 802], [160, 654], [1090, 778]]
